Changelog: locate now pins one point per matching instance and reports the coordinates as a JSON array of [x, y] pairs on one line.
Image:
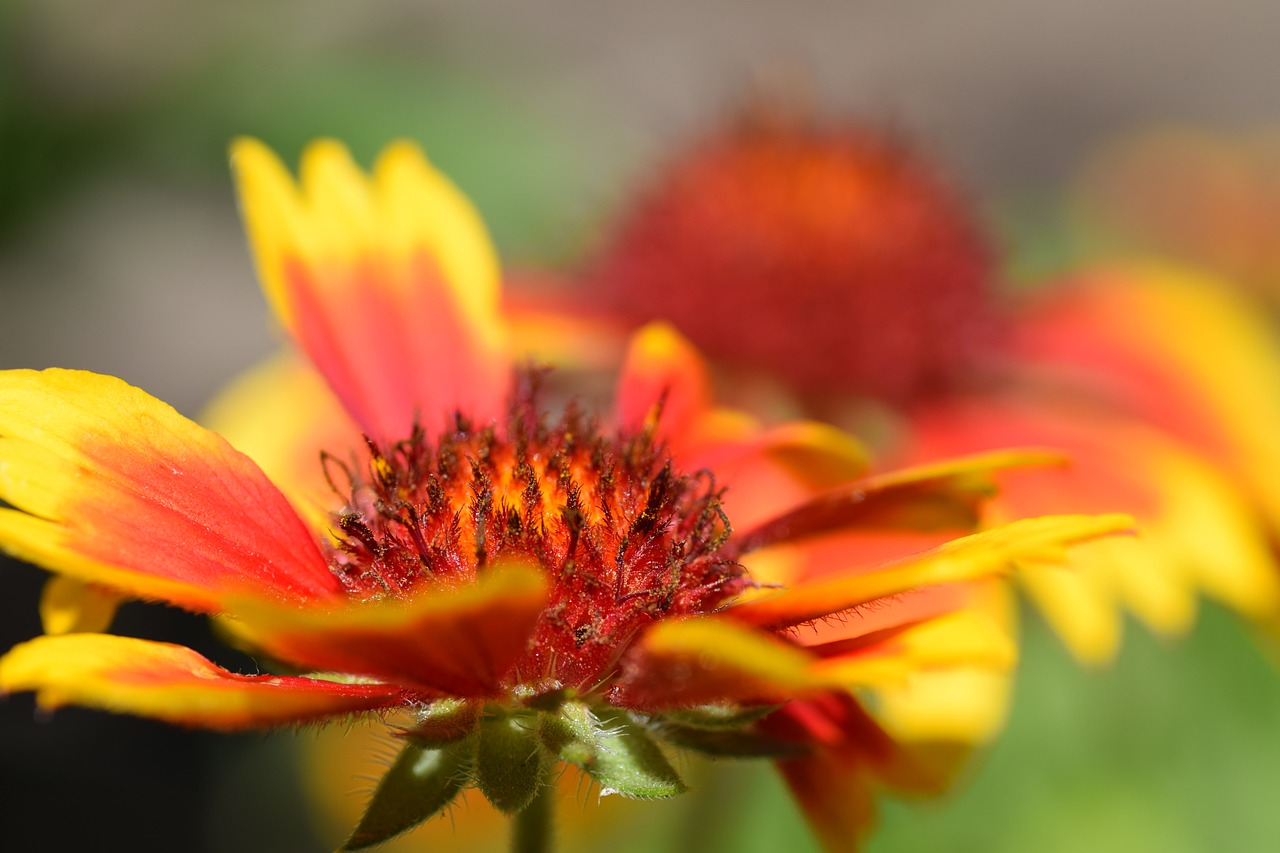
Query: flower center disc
[[624, 537], [828, 256]]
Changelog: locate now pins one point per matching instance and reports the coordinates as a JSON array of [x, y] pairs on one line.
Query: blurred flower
[[781, 245], [1188, 193], [786, 251], [522, 589]]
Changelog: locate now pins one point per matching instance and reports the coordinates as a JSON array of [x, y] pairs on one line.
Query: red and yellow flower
[[832, 246], [524, 586]]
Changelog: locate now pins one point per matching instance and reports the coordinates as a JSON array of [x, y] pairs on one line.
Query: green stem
[[531, 828]]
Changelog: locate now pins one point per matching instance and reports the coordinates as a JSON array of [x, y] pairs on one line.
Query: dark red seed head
[[829, 255], [624, 536]]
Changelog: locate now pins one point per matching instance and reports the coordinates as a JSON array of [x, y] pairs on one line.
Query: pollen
[[831, 256], [624, 536]]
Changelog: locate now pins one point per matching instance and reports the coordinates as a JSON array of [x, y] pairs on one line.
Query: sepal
[[420, 784], [509, 762], [443, 722], [613, 749]]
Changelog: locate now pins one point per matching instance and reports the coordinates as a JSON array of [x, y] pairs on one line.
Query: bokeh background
[[120, 251]]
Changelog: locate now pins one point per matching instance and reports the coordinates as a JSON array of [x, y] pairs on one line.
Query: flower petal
[[111, 486], [982, 554], [1198, 534], [962, 703], [680, 664], [282, 416], [850, 759], [388, 282], [941, 496], [69, 606], [173, 683], [461, 641], [1123, 332], [662, 369]]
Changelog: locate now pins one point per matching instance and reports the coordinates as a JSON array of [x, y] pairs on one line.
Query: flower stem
[[531, 828]]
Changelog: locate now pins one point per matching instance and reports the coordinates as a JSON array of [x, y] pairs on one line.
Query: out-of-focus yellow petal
[[387, 281], [111, 486], [939, 496], [1044, 539], [1197, 533], [282, 416], [459, 640], [69, 606], [963, 704], [705, 661], [1180, 349], [423, 208], [702, 661], [174, 684]]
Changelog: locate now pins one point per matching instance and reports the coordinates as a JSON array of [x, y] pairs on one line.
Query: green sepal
[[718, 717], [613, 749], [420, 784], [443, 722], [729, 743], [509, 762]]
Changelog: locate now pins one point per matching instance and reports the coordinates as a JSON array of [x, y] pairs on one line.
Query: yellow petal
[[387, 281], [69, 606], [708, 660], [111, 486], [173, 683], [1040, 540]]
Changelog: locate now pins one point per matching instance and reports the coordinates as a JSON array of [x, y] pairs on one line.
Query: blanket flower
[[527, 586]]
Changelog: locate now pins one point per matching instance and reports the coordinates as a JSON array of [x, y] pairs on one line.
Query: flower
[[1101, 366], [528, 587], [1183, 192], [859, 224]]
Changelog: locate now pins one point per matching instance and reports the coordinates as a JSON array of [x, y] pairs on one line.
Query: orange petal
[[387, 281], [941, 496], [766, 471], [968, 700], [980, 555], [113, 487], [549, 324], [662, 367], [462, 641], [175, 684]]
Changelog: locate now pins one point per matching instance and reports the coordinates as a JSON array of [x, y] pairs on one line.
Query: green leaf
[[508, 762], [613, 749], [419, 785]]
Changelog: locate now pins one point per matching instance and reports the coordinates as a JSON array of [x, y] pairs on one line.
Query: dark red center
[[625, 537], [829, 256]]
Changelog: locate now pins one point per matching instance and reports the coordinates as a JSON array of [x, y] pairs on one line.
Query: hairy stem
[[531, 829]]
